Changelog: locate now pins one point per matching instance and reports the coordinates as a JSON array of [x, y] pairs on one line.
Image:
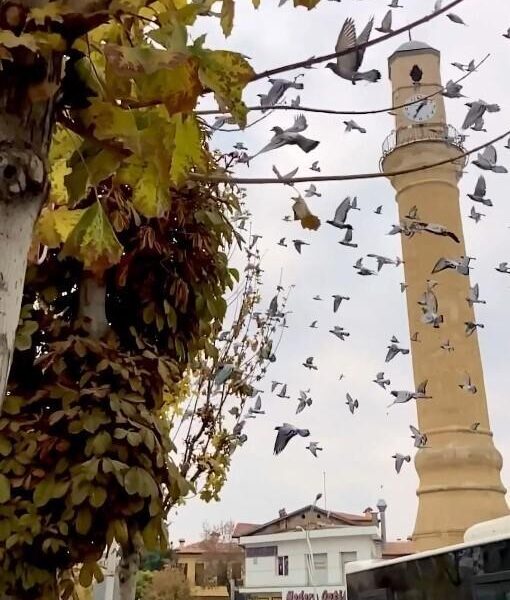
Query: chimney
[[282, 513], [382, 506], [181, 542]]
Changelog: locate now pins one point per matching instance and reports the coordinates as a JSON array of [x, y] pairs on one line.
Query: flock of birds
[[348, 67]]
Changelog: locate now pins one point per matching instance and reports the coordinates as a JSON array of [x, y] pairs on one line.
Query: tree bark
[[93, 304], [126, 571], [26, 128]]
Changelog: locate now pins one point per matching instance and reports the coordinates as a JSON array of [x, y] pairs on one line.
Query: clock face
[[421, 110]]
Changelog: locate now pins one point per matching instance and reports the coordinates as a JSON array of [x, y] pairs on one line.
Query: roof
[[245, 529], [207, 546], [412, 45], [399, 548]]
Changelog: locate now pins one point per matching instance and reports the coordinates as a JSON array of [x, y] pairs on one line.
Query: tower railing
[[433, 132]]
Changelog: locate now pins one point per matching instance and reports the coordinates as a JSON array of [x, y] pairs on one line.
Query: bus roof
[[481, 533]]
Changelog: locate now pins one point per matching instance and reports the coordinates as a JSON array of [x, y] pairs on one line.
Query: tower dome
[[414, 47]]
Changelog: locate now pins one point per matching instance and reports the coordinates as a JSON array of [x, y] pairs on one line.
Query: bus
[[478, 569]]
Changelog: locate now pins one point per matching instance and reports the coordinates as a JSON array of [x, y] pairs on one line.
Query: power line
[[348, 177]]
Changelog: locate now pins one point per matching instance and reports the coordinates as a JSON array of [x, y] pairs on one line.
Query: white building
[[277, 553]]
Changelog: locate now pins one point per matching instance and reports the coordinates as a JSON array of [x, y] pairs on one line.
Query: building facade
[[302, 555], [213, 568]]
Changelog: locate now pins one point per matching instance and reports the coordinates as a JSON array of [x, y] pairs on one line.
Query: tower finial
[[410, 36]]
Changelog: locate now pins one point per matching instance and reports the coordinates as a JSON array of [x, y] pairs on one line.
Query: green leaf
[[226, 73], [188, 152], [83, 521], [5, 489], [98, 497], [86, 574], [93, 241], [5, 446], [49, 489], [101, 443]]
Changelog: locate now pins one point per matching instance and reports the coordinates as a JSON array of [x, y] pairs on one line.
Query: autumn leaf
[[302, 213], [128, 61], [151, 197], [226, 73], [108, 121], [54, 226], [227, 16], [309, 4], [188, 152], [93, 241]]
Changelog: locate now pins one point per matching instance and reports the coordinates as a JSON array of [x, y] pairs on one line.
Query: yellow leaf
[[309, 4], [51, 11], [93, 241], [302, 213], [188, 152], [226, 73], [111, 122], [128, 61], [227, 16], [54, 226], [9, 40], [151, 196], [5, 489]]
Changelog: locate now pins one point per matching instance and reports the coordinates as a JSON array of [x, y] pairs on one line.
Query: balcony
[[419, 133]]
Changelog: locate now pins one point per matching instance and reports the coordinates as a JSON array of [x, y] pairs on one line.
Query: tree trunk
[[126, 571], [26, 126], [93, 304]]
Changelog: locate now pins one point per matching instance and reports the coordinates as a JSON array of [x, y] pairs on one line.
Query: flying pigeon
[[403, 396], [291, 136], [315, 166], [385, 26], [460, 265], [222, 120], [393, 350], [379, 379], [466, 384], [354, 203], [399, 460], [283, 392], [473, 296], [313, 325], [240, 146], [455, 19], [339, 332], [317, 297], [298, 244], [347, 240], [350, 125], [395, 4], [288, 175], [222, 374], [314, 448], [337, 300], [296, 102], [452, 90], [413, 213], [312, 191], [403, 287], [282, 243], [471, 327], [303, 401], [274, 385], [476, 216], [479, 194], [474, 426], [487, 160], [309, 364], [503, 268], [414, 337], [383, 260], [429, 306], [341, 214], [352, 404], [435, 229], [378, 210], [476, 110], [361, 269], [507, 34], [238, 427], [348, 65], [447, 346], [420, 439], [285, 433], [276, 92]]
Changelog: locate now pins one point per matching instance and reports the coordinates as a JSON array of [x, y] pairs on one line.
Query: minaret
[[459, 471]]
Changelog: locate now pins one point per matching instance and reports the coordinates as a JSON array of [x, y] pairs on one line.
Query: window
[[319, 569], [199, 573], [260, 551], [236, 570], [346, 557], [283, 565]]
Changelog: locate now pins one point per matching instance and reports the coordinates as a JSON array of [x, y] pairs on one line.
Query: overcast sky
[[357, 449]]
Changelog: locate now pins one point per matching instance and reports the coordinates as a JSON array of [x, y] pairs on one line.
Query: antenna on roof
[[410, 36]]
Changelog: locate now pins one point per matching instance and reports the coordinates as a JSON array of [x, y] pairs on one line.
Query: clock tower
[[459, 470]]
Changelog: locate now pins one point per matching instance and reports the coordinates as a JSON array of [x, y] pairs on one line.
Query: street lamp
[[310, 562], [381, 507]]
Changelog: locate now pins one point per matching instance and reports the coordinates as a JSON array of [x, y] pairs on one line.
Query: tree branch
[[382, 38], [348, 177]]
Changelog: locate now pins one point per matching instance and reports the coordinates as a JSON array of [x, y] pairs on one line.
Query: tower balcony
[[434, 132]]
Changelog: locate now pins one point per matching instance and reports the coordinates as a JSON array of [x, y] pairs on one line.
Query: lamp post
[[310, 562], [381, 507]]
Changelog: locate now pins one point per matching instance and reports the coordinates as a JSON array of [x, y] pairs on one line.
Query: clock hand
[[422, 104]]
